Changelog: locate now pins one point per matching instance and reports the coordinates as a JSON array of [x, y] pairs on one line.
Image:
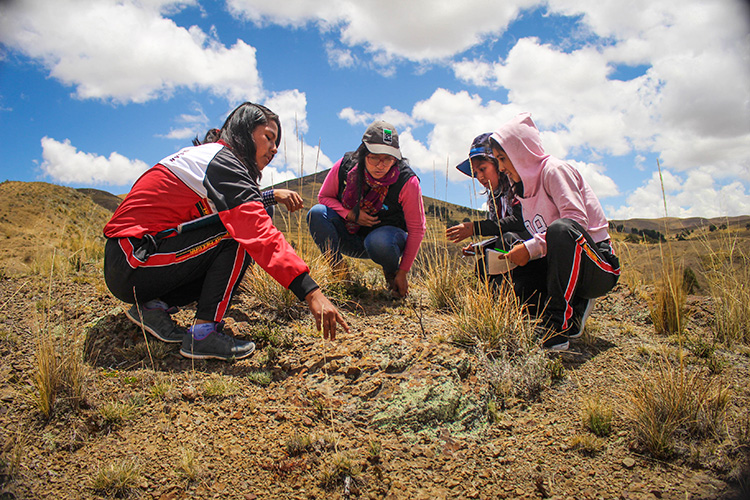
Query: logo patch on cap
[[387, 136]]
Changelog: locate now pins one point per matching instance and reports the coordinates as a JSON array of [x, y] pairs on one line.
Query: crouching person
[[569, 256], [370, 206], [190, 227]]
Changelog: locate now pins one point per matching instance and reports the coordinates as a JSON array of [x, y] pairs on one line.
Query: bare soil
[[391, 410], [392, 406]]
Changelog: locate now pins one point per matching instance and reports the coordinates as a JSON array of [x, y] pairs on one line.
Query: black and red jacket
[[202, 180]]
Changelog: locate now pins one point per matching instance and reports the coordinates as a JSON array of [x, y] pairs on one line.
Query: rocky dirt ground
[[391, 410]]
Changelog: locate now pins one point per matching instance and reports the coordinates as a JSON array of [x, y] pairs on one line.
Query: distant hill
[[670, 226], [33, 208], [39, 220], [102, 198]]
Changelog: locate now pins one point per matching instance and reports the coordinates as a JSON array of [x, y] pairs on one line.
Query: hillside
[[39, 219], [395, 409], [450, 213]]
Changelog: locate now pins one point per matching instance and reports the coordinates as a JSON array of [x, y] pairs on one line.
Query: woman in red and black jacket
[[189, 228]]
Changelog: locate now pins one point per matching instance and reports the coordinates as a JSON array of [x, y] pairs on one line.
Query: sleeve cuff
[[302, 285], [268, 199]]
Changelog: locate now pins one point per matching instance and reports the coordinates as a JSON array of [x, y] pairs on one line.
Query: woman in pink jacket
[[370, 206], [573, 260]]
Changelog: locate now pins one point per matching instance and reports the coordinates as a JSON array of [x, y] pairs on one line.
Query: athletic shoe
[[579, 322], [216, 346], [552, 340], [157, 322]]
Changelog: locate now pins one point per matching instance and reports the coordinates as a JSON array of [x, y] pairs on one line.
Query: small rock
[[352, 372], [189, 393], [628, 462]]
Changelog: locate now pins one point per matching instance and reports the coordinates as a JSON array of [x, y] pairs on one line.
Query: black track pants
[[203, 265]]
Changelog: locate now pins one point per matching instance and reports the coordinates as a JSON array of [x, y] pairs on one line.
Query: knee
[[382, 243], [562, 229], [316, 213], [318, 218]]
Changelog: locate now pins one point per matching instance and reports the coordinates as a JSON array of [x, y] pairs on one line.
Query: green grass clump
[[262, 378], [116, 412]]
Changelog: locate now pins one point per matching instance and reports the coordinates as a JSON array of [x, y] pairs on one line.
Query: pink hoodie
[[552, 188]]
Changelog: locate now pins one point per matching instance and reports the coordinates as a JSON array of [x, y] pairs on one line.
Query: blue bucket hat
[[480, 146]]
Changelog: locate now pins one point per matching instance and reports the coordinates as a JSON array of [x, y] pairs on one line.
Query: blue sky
[[92, 93]]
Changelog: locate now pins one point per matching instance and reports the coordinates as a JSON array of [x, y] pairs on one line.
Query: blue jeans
[[384, 245]]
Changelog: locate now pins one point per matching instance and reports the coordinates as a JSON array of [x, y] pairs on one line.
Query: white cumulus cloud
[[444, 27], [126, 51], [65, 164]]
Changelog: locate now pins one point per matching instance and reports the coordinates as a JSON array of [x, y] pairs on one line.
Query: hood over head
[[521, 141]]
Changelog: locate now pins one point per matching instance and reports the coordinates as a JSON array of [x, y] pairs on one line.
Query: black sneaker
[[216, 346], [579, 321], [552, 340], [157, 322]]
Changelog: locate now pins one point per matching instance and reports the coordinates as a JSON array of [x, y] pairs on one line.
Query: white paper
[[497, 264]]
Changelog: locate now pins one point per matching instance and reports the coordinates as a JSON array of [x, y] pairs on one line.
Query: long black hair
[[211, 136], [505, 190], [237, 133]]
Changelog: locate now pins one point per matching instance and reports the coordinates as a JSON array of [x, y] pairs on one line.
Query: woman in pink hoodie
[[573, 260]]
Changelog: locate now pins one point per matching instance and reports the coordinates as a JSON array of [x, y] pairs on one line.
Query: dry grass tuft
[[187, 464], [672, 399], [117, 479], [597, 416], [263, 287], [298, 444], [46, 379], [512, 379], [342, 471], [442, 274], [11, 454], [587, 444], [114, 413], [668, 304], [219, 387], [491, 321], [59, 370], [727, 270]]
